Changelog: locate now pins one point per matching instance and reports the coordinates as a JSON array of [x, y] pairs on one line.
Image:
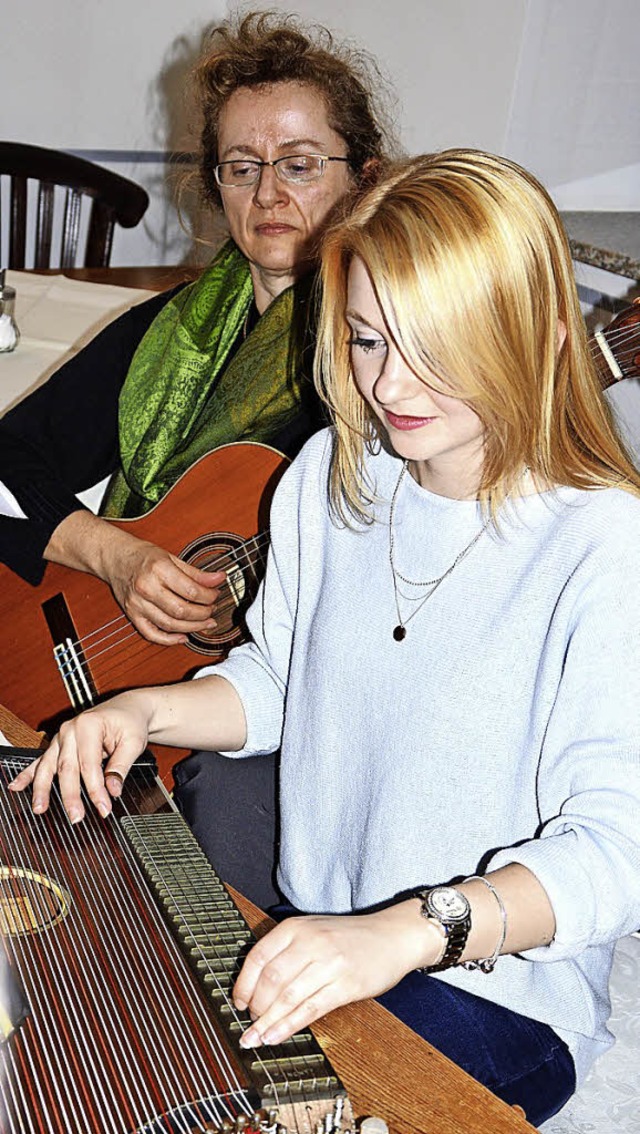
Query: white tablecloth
[[56, 317]]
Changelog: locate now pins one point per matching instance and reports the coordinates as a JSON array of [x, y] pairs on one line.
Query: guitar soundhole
[[243, 566]]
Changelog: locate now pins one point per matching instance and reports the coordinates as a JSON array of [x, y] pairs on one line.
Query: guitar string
[[110, 919], [111, 1014], [122, 627], [47, 1048], [617, 340], [268, 1051], [249, 558], [619, 334]]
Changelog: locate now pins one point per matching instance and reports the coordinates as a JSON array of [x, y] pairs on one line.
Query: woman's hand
[[118, 730], [163, 597], [307, 966]]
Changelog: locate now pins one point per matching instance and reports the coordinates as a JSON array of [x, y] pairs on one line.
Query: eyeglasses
[[296, 169]]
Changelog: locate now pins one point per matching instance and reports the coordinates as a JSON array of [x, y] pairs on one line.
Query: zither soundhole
[[29, 902]]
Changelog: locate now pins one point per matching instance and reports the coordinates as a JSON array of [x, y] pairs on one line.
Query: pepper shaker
[[9, 333]]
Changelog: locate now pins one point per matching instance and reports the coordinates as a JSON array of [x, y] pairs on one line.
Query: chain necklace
[[400, 631]]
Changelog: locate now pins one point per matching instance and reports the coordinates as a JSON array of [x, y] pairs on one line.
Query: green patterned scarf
[[179, 402]]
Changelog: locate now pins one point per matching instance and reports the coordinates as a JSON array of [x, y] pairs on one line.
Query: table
[[57, 313], [152, 278]]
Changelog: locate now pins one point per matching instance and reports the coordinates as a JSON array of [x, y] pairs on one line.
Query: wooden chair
[[114, 198]]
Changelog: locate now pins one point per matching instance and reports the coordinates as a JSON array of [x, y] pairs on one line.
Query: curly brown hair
[[268, 47]]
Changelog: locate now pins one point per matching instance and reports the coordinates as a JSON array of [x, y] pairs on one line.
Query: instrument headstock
[[617, 347]]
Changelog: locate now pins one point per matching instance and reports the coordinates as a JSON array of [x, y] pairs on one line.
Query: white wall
[[575, 117], [553, 83]]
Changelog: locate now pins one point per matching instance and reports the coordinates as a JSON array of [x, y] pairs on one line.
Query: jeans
[[520, 1060]]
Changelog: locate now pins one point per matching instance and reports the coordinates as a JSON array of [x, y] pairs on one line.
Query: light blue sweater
[[505, 728]]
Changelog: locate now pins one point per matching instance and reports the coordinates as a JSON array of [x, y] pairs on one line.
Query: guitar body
[[215, 516]]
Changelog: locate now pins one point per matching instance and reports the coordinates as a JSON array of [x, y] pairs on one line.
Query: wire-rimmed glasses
[[296, 169]]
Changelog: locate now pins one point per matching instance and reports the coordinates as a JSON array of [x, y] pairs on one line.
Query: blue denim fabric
[[520, 1060]]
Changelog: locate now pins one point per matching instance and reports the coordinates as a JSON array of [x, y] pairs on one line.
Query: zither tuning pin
[[266, 1121]]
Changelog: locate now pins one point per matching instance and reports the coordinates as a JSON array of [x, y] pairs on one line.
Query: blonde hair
[[472, 271]]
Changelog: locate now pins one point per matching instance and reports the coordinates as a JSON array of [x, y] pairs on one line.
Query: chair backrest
[[113, 198]]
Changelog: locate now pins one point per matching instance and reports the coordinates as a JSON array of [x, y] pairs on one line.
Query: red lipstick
[[400, 421]]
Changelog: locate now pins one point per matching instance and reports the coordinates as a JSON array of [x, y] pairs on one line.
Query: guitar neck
[[616, 349]]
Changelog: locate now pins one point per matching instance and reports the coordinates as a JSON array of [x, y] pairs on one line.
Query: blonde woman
[[445, 647]]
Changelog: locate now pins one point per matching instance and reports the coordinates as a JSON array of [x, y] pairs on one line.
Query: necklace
[[400, 631]]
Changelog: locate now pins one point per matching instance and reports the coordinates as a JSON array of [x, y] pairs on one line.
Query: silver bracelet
[[488, 964]]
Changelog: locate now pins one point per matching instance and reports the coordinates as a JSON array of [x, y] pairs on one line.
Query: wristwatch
[[451, 910]]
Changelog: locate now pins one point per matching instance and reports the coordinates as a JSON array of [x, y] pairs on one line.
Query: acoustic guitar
[[66, 643]]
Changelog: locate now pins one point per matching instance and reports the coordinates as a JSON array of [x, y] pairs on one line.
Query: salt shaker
[[9, 333]]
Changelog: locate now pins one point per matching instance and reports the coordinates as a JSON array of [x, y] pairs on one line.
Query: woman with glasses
[[288, 133], [445, 647]]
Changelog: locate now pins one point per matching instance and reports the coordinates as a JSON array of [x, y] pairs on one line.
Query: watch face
[[449, 904]]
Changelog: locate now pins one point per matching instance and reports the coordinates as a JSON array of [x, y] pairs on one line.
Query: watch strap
[[456, 931]]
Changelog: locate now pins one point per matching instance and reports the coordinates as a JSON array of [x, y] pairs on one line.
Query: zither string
[[87, 976], [267, 1052], [48, 990], [176, 889], [149, 914], [112, 917], [109, 916]]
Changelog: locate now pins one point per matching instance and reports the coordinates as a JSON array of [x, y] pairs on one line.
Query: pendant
[[399, 633]]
